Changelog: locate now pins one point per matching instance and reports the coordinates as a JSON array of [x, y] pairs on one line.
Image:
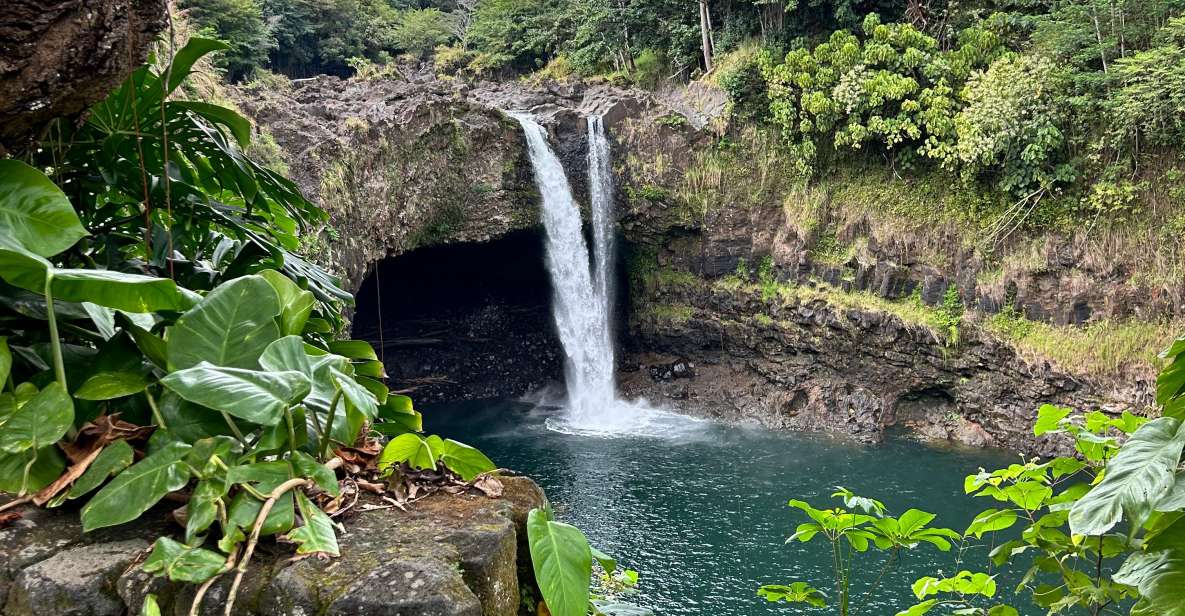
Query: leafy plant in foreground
[[1101, 531], [563, 562], [158, 335]]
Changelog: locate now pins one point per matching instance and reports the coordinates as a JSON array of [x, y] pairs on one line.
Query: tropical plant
[[860, 524], [158, 334], [562, 559], [1101, 531]]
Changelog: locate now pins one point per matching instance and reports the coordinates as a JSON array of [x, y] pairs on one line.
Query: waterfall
[[580, 306], [600, 192]]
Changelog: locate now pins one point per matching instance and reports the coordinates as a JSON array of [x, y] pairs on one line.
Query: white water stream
[[582, 304]]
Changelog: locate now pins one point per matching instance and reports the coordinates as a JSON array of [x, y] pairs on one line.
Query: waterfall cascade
[[579, 306], [582, 304]]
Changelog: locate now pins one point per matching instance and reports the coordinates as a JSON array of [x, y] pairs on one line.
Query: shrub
[[649, 69]]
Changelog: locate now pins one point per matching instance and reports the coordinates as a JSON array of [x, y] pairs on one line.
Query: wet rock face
[[446, 556], [809, 365], [58, 57]]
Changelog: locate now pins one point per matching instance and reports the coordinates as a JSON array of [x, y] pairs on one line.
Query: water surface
[[701, 510]]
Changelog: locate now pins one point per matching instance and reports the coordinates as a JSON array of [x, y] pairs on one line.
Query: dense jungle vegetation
[[162, 331]]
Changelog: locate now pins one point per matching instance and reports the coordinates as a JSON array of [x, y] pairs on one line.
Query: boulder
[[446, 555]]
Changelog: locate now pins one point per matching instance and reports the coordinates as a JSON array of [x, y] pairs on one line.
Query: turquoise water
[[701, 511]]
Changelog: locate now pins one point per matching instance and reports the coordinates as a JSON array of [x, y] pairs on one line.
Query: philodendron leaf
[[22, 268], [460, 458], [41, 421], [231, 327], [111, 385], [287, 353], [265, 476], [562, 560], [139, 487], [323, 476], [410, 448], [1158, 573], [295, 303], [115, 457], [316, 536], [202, 509], [48, 465], [357, 395], [1136, 479], [128, 292], [150, 607], [182, 563], [258, 397], [35, 212], [399, 417]]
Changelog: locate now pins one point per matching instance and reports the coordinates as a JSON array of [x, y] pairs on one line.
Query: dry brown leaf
[[67, 479], [489, 485]]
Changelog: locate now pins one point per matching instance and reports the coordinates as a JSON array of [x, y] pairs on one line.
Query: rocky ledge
[[806, 364], [447, 555]]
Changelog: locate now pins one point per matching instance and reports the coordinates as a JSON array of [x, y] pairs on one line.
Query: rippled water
[[701, 510]]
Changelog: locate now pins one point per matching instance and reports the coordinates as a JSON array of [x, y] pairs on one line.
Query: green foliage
[[862, 523], [177, 304], [1097, 531], [562, 560], [238, 23], [420, 31]]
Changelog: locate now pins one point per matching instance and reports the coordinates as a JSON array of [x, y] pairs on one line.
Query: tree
[[419, 31], [238, 23]]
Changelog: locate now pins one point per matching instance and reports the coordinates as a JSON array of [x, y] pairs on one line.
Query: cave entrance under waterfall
[[463, 321]]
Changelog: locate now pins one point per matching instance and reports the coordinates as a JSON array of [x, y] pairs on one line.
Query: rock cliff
[[406, 164]]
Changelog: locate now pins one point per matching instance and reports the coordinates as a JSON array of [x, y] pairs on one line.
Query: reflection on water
[[700, 508]]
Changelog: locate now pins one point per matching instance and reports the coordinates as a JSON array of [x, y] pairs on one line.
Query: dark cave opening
[[463, 321]]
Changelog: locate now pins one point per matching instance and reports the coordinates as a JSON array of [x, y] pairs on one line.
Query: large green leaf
[[41, 421], [190, 422], [202, 508], [47, 467], [460, 458], [316, 536], [22, 268], [253, 395], [111, 385], [562, 560], [128, 292], [410, 448], [115, 457], [265, 476], [1137, 478], [356, 394], [34, 212], [287, 353], [1158, 573], [296, 304], [187, 56], [139, 487], [183, 563], [231, 327]]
